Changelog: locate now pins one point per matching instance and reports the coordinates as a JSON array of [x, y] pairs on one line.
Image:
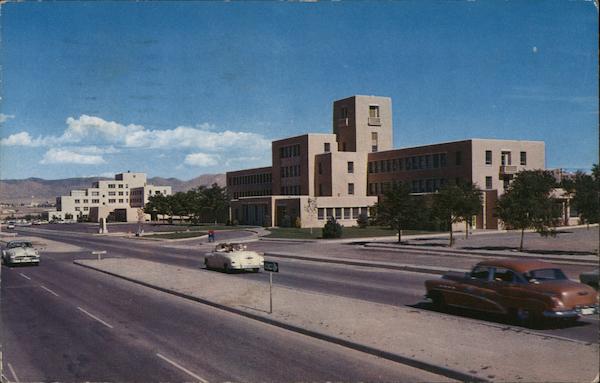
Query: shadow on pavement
[[500, 319]]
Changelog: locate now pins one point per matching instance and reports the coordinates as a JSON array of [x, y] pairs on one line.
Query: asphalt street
[[61, 322], [372, 284]]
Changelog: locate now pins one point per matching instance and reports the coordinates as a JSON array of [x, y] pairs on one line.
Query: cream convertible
[[233, 256]]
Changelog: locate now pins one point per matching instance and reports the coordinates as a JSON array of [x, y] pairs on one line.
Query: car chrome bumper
[[588, 310]]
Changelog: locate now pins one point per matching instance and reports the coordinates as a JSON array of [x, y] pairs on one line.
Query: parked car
[[18, 252], [233, 256], [526, 290], [590, 277], [10, 225]]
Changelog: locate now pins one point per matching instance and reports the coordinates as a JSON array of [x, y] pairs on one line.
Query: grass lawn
[[179, 227], [347, 232], [177, 235]]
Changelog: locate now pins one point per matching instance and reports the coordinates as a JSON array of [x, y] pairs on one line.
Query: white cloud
[[90, 127], [201, 159], [198, 138], [4, 117], [18, 139], [63, 156]]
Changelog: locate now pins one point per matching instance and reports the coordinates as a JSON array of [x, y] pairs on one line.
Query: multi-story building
[[119, 199], [315, 176]]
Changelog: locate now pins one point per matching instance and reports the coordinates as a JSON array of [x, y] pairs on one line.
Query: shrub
[[298, 223], [363, 220], [332, 229]]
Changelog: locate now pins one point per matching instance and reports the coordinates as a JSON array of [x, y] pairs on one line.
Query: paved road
[[61, 322], [372, 284]]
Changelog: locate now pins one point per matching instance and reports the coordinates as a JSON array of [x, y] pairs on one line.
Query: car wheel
[[525, 317], [206, 263], [437, 300], [226, 268]]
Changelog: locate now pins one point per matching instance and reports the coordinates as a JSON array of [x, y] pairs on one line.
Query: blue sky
[[181, 89]]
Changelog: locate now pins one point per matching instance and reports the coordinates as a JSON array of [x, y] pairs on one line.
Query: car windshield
[[12, 245], [541, 275]]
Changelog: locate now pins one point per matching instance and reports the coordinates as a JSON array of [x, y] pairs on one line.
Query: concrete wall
[[535, 160], [354, 132]]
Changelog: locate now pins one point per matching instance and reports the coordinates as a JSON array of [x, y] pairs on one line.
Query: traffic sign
[[271, 266]]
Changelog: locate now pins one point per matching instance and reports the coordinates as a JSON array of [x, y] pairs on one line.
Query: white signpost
[[271, 267], [99, 253]]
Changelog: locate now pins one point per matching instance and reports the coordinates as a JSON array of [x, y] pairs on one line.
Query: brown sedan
[[527, 290]]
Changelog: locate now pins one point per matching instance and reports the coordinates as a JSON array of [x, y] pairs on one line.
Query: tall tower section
[[363, 124]]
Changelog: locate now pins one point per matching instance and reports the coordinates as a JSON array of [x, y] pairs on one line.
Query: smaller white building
[[120, 199]]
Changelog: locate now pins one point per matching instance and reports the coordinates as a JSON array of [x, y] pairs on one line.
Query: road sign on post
[[99, 253], [271, 267]]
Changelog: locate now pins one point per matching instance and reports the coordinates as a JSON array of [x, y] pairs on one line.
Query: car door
[[468, 293]]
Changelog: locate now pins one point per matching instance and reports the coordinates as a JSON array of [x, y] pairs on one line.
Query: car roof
[[518, 265]]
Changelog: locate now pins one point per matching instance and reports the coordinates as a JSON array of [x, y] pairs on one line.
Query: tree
[[449, 206], [471, 204], [586, 194], [528, 204], [398, 209], [332, 229], [158, 204], [311, 209], [215, 201]]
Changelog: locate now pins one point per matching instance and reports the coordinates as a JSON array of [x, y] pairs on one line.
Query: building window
[[350, 188], [321, 213], [77, 209], [86, 208], [355, 212], [95, 193], [506, 183], [373, 111], [120, 200], [523, 158], [76, 201], [111, 186], [120, 193], [344, 112], [488, 157], [350, 167], [327, 147], [488, 183], [329, 212], [112, 193], [338, 213], [346, 213], [458, 158], [374, 149], [95, 201], [112, 200], [120, 186]]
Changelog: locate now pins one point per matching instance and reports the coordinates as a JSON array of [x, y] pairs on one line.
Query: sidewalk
[[455, 347]]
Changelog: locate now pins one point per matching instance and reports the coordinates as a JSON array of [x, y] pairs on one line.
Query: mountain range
[[41, 190]]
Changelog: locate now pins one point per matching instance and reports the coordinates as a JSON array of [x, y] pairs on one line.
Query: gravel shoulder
[[489, 352]]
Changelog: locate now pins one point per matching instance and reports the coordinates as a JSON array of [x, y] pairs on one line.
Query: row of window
[[290, 190], [289, 151], [290, 171], [429, 161], [341, 212], [112, 186], [430, 185], [111, 200], [251, 179], [505, 158], [252, 193]]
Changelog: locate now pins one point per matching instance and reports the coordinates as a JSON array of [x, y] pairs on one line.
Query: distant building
[[315, 176], [116, 200]]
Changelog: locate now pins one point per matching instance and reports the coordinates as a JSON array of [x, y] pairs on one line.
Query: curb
[[447, 372], [476, 254], [413, 268]]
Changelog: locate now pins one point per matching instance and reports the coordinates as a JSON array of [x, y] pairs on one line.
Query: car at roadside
[[233, 256], [527, 290], [10, 225], [590, 277], [20, 252]]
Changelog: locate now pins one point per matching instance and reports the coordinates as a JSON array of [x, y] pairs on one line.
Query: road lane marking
[[12, 371], [50, 291], [94, 317], [200, 379], [24, 276]]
